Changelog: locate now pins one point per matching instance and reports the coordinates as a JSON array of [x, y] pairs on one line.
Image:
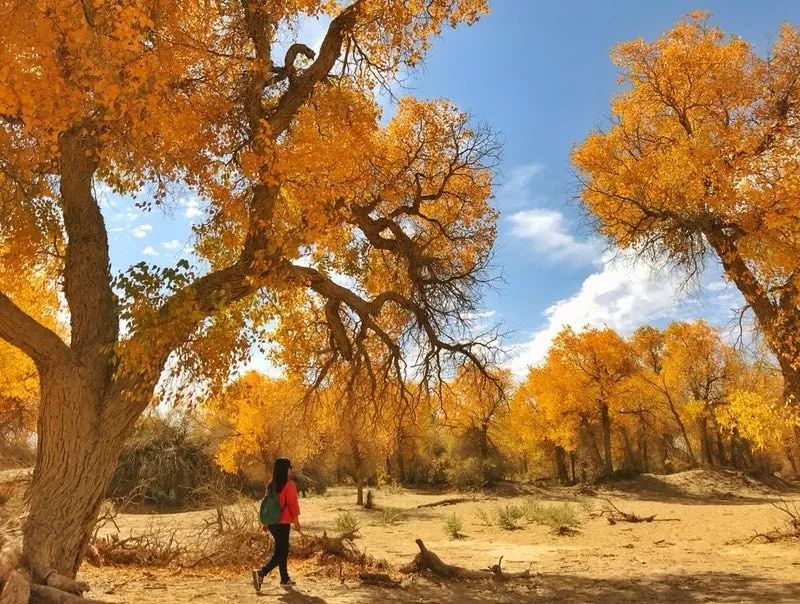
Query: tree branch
[[31, 337]]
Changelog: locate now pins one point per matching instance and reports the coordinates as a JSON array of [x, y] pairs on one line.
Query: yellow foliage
[[263, 419]]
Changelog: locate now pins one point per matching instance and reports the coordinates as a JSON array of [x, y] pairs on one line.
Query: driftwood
[[613, 514], [427, 560], [443, 502]]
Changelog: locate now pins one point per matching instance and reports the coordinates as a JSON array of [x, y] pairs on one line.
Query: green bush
[[346, 524], [453, 526], [550, 514], [509, 517]]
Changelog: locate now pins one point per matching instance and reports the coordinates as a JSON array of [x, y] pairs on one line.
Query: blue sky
[[540, 74]]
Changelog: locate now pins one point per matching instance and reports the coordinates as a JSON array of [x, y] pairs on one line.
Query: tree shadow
[[552, 587]]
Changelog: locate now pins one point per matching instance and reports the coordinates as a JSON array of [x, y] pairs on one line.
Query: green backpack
[[270, 510]]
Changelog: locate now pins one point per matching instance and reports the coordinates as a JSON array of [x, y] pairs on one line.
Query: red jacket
[[287, 499]]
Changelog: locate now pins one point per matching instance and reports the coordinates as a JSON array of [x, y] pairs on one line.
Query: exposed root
[[56, 589], [426, 560]]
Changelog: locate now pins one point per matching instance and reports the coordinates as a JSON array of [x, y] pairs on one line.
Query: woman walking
[[279, 510]]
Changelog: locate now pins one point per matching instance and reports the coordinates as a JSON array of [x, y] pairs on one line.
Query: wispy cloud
[[516, 192], [149, 251], [141, 231], [548, 231], [171, 245]]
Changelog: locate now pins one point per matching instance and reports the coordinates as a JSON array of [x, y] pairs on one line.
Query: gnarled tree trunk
[[79, 441]]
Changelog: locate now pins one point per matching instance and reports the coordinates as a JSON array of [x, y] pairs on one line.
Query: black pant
[[280, 533]]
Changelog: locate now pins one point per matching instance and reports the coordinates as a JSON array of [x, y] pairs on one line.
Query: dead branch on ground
[[613, 514], [426, 560]]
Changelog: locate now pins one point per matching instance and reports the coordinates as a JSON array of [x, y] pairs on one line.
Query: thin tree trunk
[[605, 425], [593, 448], [791, 459], [360, 491], [561, 466], [705, 442], [721, 457], [572, 464], [684, 433], [630, 456]]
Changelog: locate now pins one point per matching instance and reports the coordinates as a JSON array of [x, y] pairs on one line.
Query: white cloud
[[548, 231], [191, 207], [141, 231], [149, 251], [623, 295], [171, 245]]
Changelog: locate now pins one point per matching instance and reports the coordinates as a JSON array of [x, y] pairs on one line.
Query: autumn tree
[[702, 155], [324, 228], [586, 377], [262, 418], [473, 402]]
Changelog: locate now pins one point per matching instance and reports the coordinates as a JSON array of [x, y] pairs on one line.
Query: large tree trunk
[[76, 456]]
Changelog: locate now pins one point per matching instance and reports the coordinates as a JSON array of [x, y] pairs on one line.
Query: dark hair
[[280, 474]]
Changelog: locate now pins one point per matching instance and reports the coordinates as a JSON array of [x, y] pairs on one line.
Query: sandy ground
[[696, 550]]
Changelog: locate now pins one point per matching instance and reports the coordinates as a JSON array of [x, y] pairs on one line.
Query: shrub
[[346, 524], [552, 515], [165, 464], [508, 517], [453, 526], [483, 517]]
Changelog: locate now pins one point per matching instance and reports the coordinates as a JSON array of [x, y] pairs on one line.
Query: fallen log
[[444, 502], [428, 560]]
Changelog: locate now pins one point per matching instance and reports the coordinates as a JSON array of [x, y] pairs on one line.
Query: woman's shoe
[[257, 580], [288, 582]]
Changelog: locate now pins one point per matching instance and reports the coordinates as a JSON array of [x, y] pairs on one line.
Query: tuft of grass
[[554, 515], [389, 517], [346, 524], [452, 526], [509, 517], [484, 518]]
